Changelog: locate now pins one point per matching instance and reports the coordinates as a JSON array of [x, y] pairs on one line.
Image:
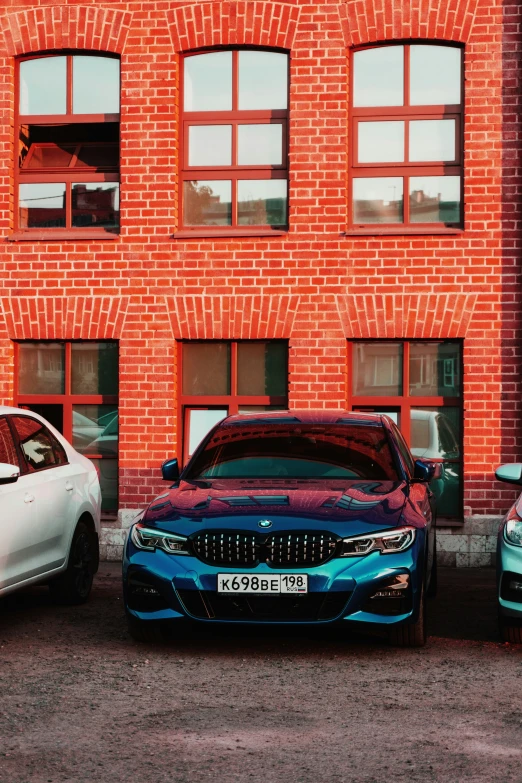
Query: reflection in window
[[241, 146], [418, 150], [416, 377]]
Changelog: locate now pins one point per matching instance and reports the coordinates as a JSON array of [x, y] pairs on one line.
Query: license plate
[[266, 584]]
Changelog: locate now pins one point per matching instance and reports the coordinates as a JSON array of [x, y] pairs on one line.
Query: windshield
[[296, 451]]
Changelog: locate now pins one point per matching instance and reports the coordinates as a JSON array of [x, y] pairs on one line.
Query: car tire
[[74, 585], [509, 633], [145, 631], [411, 634], [431, 592]]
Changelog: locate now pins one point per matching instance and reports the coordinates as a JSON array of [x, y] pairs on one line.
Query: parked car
[[509, 561], [433, 438], [313, 518], [50, 499]]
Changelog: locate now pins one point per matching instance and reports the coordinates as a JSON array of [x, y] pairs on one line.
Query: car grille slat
[[295, 549]]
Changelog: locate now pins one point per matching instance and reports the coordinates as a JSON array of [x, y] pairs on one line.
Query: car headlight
[[387, 543], [146, 538], [513, 531]]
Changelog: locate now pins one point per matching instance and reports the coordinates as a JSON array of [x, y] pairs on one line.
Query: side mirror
[[423, 470], [170, 470], [512, 473], [8, 473]]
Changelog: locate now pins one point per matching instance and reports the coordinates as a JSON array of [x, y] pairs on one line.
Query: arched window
[[68, 144], [406, 138], [234, 159]]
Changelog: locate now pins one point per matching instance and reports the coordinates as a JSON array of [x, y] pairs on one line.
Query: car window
[[280, 451], [39, 447], [7, 447]]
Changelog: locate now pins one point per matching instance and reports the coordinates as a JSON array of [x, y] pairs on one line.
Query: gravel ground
[[80, 701]]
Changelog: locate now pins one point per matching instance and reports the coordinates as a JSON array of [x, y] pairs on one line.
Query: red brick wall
[[315, 286]]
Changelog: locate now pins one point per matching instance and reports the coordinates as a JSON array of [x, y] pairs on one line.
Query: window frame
[[235, 171], [404, 402], [68, 175], [67, 400], [405, 169], [232, 401]]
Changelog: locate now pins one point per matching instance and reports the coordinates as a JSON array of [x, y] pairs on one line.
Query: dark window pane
[[378, 76], [96, 85], [262, 202], [99, 156], [8, 455], [210, 145], [95, 429], [435, 199], [200, 422], [94, 368], [263, 80], [53, 413], [208, 82], [36, 444], [434, 75], [377, 369], [206, 368], [42, 205], [50, 157], [378, 200], [435, 434], [260, 145], [432, 140], [43, 86], [380, 142], [41, 368], [96, 204], [434, 369], [261, 369], [207, 203], [108, 475]]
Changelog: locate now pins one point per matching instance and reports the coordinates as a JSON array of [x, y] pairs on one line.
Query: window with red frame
[[406, 137], [235, 117], [74, 385], [418, 384], [220, 378], [68, 144]]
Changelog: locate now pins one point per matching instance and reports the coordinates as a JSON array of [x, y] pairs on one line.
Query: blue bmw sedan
[[307, 517], [509, 561]]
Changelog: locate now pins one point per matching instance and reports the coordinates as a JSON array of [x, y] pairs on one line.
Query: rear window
[[279, 451]]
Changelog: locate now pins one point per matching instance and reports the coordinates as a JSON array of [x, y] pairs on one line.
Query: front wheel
[[509, 633], [74, 585], [411, 634]]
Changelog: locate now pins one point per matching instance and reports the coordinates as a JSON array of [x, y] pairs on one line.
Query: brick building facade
[[325, 282]]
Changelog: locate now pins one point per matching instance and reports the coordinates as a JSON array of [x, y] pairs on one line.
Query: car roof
[[5, 409], [307, 416]]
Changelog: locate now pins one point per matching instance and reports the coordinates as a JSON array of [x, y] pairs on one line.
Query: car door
[[47, 471], [18, 516]]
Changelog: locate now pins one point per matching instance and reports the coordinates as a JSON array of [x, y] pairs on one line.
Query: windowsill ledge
[[59, 235], [373, 231], [229, 233]]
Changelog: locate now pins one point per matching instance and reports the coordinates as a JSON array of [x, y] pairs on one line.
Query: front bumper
[[163, 587], [509, 568]]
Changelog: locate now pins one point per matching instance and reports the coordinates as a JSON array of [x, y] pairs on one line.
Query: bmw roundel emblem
[[264, 523]]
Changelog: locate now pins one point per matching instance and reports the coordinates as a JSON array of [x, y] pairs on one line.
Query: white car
[[50, 500]]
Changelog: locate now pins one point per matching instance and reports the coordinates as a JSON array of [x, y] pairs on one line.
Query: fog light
[[145, 591], [515, 585]]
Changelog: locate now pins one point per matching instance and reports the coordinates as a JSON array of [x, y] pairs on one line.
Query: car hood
[[344, 507]]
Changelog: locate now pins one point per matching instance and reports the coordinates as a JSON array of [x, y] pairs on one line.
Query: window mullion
[[69, 100], [233, 369]]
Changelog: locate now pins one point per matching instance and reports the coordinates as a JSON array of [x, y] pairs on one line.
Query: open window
[[67, 175]]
